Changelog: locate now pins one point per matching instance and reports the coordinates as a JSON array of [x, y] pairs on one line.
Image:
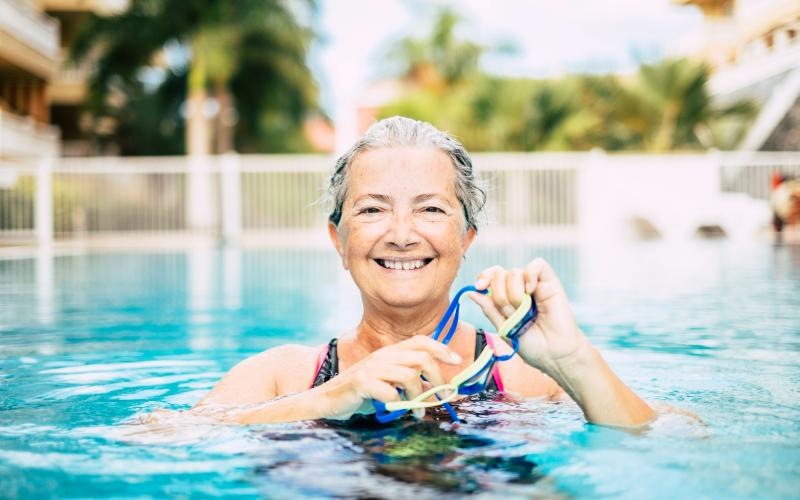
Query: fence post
[[715, 164], [598, 210], [200, 202], [231, 198], [517, 203], [44, 201]]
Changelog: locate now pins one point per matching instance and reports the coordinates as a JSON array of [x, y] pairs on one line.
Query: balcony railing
[[98, 6], [23, 137], [69, 85], [21, 20], [753, 70]]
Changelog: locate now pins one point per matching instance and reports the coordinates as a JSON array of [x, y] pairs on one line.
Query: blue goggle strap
[[453, 310]]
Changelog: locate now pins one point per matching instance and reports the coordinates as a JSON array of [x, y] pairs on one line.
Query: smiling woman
[[405, 205], [402, 234]]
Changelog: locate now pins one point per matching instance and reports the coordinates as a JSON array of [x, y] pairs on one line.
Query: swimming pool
[[89, 341]]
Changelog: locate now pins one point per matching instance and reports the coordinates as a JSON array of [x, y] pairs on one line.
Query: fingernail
[[508, 311], [418, 413], [529, 288], [455, 358], [481, 284]]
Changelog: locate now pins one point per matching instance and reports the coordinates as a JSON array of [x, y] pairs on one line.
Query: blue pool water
[[90, 342]]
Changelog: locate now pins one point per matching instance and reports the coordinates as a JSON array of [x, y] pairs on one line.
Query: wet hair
[[399, 131]]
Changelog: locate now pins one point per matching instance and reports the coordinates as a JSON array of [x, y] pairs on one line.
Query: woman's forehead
[[414, 169]]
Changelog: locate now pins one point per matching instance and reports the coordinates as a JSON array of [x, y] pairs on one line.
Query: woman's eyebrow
[[420, 198], [429, 196], [372, 196]]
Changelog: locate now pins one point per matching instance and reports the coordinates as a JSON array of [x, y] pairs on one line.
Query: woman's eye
[[370, 210], [434, 210]]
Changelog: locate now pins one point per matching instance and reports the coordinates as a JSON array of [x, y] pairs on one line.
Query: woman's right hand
[[379, 375]]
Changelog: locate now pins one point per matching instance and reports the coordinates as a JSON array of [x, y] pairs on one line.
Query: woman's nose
[[402, 232]]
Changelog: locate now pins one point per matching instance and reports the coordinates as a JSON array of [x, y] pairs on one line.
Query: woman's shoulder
[[292, 366], [273, 372], [276, 358], [285, 353]]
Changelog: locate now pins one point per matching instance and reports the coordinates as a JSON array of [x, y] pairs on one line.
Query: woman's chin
[[404, 299]]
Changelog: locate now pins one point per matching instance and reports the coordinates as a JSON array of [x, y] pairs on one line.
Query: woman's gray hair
[[399, 131]]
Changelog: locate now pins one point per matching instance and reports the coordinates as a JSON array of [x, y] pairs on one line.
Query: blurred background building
[[29, 62], [69, 86], [750, 49], [753, 50]]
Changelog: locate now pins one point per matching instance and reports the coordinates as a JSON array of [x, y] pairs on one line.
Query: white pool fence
[[278, 197]]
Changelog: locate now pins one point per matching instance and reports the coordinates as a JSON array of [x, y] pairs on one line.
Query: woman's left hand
[[556, 346], [554, 336]]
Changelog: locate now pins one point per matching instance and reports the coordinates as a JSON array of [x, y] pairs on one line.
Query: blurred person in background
[[785, 202]]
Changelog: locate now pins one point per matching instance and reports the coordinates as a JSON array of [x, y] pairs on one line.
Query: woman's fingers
[[434, 348], [541, 280], [485, 277], [499, 293], [398, 366], [489, 308], [531, 273], [382, 391], [508, 287], [396, 373], [422, 362], [515, 287], [404, 367], [505, 287], [408, 379]]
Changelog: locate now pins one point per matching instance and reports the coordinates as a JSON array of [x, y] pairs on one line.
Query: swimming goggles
[[472, 379]]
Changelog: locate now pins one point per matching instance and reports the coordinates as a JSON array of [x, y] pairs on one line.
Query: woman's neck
[[380, 327]]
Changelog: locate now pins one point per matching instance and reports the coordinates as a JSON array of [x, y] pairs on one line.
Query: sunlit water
[[91, 342]]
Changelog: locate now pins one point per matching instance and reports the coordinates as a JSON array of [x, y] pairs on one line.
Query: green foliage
[[149, 122], [253, 50], [665, 106], [440, 60]]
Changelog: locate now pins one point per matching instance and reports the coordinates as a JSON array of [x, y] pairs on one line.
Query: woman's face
[[402, 232]]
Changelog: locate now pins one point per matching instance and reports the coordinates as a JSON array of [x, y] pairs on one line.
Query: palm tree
[[438, 60], [674, 105], [545, 119], [250, 55]]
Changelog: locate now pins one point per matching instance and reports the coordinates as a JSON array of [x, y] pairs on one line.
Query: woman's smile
[[404, 264]]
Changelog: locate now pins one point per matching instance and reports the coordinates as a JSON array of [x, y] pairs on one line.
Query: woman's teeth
[[404, 265]]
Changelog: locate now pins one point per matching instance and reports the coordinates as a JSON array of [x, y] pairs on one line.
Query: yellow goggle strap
[[468, 373]]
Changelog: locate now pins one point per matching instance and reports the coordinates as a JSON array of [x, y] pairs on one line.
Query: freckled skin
[[402, 226]]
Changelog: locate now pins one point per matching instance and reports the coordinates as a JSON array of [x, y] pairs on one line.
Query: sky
[[551, 37]]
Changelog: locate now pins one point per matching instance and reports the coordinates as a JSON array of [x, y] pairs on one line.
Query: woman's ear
[[467, 240], [338, 244]]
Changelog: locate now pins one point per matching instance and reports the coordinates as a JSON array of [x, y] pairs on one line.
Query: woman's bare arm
[[273, 387], [259, 378], [555, 345]]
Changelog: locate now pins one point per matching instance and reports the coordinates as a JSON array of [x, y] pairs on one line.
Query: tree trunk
[[226, 119], [665, 131], [198, 126], [200, 203]]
